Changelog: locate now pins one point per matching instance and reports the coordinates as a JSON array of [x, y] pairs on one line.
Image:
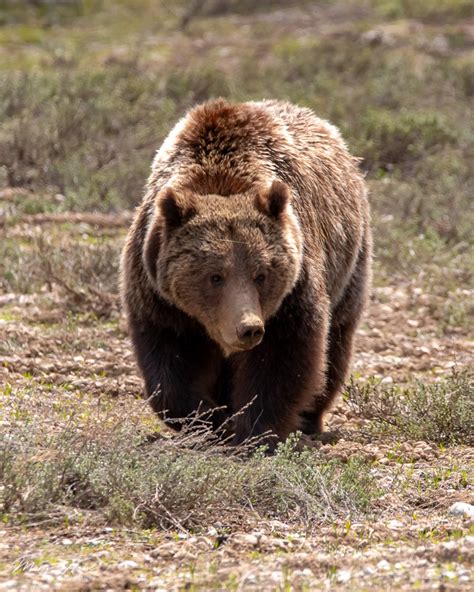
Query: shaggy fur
[[255, 219]]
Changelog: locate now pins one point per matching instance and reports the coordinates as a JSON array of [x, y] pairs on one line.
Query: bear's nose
[[250, 333]]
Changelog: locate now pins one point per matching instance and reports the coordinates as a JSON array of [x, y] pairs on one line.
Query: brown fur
[[255, 215]]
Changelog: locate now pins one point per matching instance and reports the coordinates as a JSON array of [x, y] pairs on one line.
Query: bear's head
[[226, 261]]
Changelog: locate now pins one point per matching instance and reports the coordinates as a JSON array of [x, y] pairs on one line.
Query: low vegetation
[[441, 412], [109, 465]]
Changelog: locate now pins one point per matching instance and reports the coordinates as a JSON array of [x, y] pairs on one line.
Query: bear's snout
[[250, 332]]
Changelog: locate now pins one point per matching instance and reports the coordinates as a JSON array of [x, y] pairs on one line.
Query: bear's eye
[[217, 279], [260, 279]]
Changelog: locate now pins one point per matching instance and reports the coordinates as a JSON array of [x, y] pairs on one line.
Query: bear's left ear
[[175, 209], [274, 201]]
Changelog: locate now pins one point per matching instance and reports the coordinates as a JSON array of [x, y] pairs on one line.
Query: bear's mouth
[[236, 348], [229, 351]]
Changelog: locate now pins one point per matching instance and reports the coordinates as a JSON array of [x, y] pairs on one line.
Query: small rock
[[449, 574], [128, 564], [249, 539], [376, 37], [439, 45], [280, 543], [183, 555], [449, 545], [164, 550], [9, 585], [462, 509], [343, 576], [276, 576], [383, 564]]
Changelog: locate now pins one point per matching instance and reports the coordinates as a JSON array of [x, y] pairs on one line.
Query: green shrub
[[392, 138], [80, 267], [432, 10], [441, 412], [79, 455]]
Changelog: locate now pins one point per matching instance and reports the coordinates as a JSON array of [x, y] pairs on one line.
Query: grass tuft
[[442, 412], [84, 269], [394, 139]]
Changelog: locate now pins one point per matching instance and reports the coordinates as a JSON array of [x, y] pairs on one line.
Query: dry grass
[[83, 267]]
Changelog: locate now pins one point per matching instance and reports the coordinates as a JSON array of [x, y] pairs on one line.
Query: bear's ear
[[172, 210], [175, 209], [274, 201]]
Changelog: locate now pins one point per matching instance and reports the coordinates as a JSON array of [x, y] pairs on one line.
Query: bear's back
[[230, 148], [331, 197], [302, 123], [222, 147]]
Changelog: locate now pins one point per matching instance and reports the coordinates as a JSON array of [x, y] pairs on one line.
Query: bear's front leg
[[172, 371], [277, 380]]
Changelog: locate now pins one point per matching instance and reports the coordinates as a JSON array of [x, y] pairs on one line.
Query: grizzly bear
[[247, 268]]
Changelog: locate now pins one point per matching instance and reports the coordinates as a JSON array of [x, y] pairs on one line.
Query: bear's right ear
[[175, 209], [172, 210]]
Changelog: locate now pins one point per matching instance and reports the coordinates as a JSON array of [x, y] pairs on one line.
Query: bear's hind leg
[[344, 321]]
